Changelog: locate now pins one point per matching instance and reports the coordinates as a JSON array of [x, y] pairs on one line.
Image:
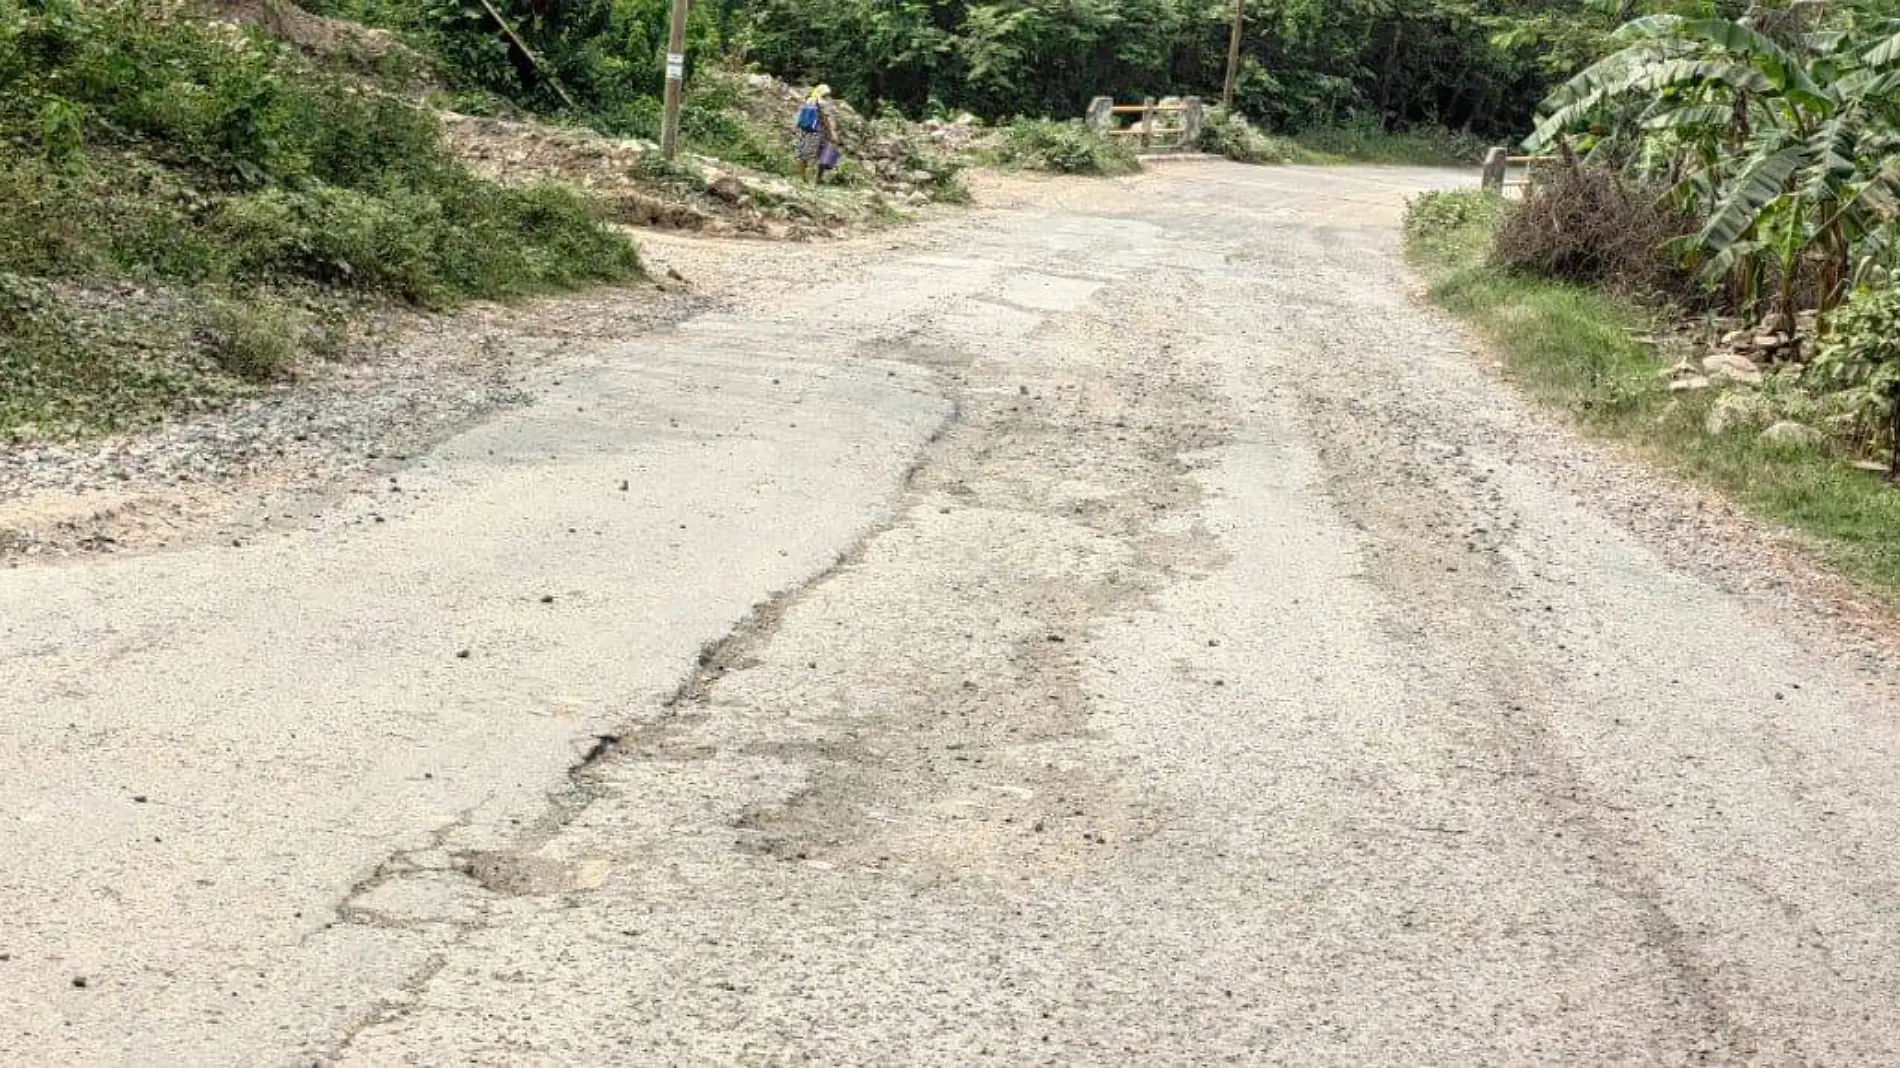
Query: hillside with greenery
[[190, 204]]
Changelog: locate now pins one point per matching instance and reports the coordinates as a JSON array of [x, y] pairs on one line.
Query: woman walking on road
[[817, 135]]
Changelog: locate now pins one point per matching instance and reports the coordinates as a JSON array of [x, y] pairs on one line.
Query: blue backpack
[[808, 117]]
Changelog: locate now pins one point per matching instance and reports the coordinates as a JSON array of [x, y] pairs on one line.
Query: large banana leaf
[[1886, 53], [1787, 73], [1832, 152], [1762, 182], [1869, 84], [1649, 27], [1870, 203], [1722, 264], [1730, 36], [1610, 70], [1670, 52], [1617, 77], [1690, 116]]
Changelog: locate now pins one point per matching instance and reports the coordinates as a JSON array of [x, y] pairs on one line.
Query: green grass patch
[[1423, 146], [1233, 136], [1061, 148], [1573, 348]]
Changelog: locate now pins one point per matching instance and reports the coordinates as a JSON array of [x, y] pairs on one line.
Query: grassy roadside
[[1574, 349], [1361, 143], [1237, 139], [1058, 147]]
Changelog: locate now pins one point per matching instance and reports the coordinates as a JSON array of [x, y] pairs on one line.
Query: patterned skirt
[[810, 144]]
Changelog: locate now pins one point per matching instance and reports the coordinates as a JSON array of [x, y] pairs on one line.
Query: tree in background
[[609, 55], [1468, 64], [1476, 65]]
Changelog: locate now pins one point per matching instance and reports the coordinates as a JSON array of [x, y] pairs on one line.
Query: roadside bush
[[1063, 148], [1858, 363], [1463, 216], [1229, 134], [1582, 224], [254, 340]]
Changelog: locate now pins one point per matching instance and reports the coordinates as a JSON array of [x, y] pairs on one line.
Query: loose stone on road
[[1119, 625]]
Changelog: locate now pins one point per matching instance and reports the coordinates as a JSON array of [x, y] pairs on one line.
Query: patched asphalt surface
[[1117, 626]]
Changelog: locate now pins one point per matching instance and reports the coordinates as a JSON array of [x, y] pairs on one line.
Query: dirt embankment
[[894, 167], [318, 36]]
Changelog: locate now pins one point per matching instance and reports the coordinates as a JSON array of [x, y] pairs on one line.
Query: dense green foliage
[[1477, 65], [608, 56], [1474, 64], [1779, 131], [187, 151], [221, 177]]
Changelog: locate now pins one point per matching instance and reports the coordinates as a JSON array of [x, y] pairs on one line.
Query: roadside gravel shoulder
[[270, 464], [1776, 572], [266, 463]]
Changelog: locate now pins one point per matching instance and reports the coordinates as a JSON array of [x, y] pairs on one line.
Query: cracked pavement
[[1120, 626]]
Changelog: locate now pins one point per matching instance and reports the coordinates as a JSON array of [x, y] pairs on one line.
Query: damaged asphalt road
[[1118, 627]]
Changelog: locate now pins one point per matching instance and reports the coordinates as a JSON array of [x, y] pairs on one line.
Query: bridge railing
[[1172, 125], [1504, 172]]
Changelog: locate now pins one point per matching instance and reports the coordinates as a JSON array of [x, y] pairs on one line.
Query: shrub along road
[[1183, 649]]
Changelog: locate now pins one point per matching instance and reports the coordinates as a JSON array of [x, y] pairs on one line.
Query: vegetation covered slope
[[188, 203]]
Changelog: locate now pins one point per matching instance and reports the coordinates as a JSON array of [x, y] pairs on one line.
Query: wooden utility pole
[[675, 81], [1233, 56]]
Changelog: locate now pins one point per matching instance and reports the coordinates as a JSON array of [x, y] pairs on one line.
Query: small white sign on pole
[[675, 67]]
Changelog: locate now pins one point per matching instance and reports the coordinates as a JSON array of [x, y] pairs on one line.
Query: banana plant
[[1788, 152]]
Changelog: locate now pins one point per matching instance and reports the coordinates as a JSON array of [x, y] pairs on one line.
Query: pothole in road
[[920, 353], [519, 875]]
